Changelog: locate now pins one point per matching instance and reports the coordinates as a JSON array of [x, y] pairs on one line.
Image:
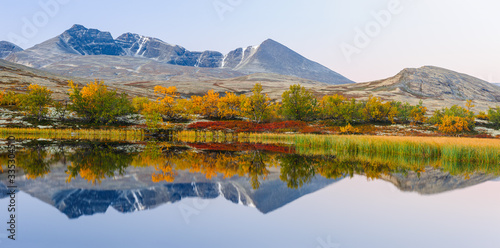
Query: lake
[[75, 193]]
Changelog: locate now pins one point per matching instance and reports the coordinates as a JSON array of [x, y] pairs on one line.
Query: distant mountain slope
[[437, 87], [129, 69], [138, 77], [15, 77], [273, 57], [43, 54], [435, 82], [6, 48], [269, 57], [147, 47]]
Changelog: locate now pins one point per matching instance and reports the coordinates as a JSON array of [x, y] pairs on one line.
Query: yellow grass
[[73, 134]]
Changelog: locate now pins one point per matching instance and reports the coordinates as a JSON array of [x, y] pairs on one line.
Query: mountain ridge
[[436, 87], [7, 48], [269, 57]]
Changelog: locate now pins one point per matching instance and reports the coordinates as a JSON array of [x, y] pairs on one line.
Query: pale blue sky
[[459, 35]]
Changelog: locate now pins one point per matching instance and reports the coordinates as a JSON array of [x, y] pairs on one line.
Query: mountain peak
[[268, 57], [441, 83], [77, 27], [7, 48], [81, 40], [273, 57], [270, 41]]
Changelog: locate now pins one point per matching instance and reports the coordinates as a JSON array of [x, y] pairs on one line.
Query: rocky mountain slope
[[437, 87], [6, 48], [139, 77], [78, 42], [135, 64], [273, 57], [15, 77]]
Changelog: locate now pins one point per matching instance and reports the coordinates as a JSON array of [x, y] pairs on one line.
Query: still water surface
[[80, 194]]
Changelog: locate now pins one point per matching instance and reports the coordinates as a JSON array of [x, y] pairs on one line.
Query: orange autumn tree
[[166, 102], [139, 102], [165, 107], [9, 98], [417, 113], [454, 124], [2, 97], [455, 119], [206, 105], [230, 105]]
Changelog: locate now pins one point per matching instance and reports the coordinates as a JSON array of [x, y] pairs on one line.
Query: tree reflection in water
[[96, 161]]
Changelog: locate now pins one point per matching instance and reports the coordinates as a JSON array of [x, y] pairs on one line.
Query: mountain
[[437, 87], [74, 42], [147, 47], [82, 41], [6, 48], [16, 77], [435, 82], [138, 77], [269, 57], [273, 57]]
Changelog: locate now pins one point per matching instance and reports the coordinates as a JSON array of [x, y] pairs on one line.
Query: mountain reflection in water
[[85, 178]]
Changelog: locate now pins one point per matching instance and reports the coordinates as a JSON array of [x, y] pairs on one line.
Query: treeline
[[95, 103]]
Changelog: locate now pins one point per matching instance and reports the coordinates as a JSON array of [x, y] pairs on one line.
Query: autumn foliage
[[207, 105], [234, 147], [494, 116], [454, 120], [230, 106], [95, 103], [299, 104], [246, 126], [253, 112], [258, 107], [37, 100]]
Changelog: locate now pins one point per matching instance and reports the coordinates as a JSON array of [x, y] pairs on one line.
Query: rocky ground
[[10, 117]]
